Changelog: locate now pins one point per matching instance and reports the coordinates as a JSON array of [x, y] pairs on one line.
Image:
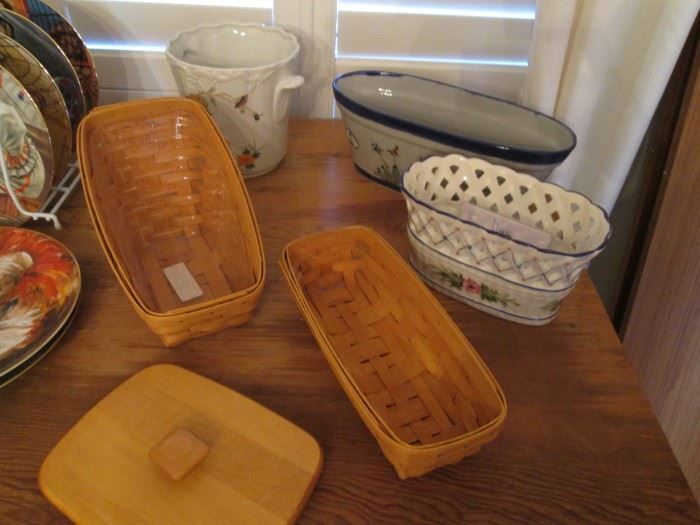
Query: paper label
[[509, 228], [183, 282]]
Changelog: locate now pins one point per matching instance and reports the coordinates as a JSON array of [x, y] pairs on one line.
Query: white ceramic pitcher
[[243, 74]]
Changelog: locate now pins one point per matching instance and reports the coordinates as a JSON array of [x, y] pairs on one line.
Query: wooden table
[[580, 444]]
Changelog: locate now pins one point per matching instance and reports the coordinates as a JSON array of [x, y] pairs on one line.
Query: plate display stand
[[55, 199]]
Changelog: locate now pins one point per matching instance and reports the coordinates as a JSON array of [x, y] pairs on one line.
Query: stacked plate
[[39, 290], [47, 84]]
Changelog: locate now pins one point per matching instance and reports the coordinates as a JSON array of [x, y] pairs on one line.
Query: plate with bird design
[[67, 38], [35, 40], [38, 83], [39, 291], [23, 366], [26, 149]]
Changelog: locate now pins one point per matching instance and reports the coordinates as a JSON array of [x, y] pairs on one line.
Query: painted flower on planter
[[387, 171], [469, 285], [352, 139], [552, 306], [248, 157]]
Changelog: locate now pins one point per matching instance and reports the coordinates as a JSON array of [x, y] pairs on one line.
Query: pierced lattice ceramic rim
[[528, 179]]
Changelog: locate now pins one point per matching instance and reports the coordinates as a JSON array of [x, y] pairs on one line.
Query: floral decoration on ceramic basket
[[499, 240]]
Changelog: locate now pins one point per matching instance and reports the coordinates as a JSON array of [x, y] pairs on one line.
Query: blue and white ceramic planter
[[394, 120]]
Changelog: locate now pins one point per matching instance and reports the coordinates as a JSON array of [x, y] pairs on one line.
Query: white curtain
[[601, 67]]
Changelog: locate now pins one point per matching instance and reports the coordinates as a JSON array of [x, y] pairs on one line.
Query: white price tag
[[183, 282], [507, 227]]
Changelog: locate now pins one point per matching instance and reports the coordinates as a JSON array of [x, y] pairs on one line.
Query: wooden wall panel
[[662, 336]]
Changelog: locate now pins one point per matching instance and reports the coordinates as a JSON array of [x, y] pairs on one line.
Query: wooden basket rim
[[341, 372], [98, 219], [380, 425]]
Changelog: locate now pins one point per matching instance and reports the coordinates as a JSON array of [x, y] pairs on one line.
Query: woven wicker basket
[[172, 214], [419, 386], [484, 268]]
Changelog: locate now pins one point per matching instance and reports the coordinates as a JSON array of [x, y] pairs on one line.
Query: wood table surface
[[580, 444]]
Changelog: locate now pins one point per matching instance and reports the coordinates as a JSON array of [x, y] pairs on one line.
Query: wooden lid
[[169, 446]]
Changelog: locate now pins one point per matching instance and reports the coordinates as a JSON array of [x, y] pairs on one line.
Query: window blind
[[482, 45], [477, 44]]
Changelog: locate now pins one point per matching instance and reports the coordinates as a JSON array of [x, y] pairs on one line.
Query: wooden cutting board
[[170, 446]]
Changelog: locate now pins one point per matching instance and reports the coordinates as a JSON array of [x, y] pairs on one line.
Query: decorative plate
[[39, 289], [68, 39], [38, 43], [9, 376], [26, 146], [44, 91]]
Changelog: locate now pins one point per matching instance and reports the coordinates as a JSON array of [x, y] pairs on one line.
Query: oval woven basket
[[416, 381], [172, 214], [508, 277]]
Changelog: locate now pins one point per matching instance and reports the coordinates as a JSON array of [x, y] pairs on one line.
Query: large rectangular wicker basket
[[164, 193], [416, 381]]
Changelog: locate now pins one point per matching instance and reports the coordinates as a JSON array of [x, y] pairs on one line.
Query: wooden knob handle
[[179, 453]]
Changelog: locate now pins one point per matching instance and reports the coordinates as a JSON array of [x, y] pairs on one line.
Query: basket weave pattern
[[163, 190], [436, 190], [425, 394]]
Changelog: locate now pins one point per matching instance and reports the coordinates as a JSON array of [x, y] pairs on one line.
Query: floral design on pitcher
[[208, 99], [386, 171], [242, 106], [248, 157], [470, 286]]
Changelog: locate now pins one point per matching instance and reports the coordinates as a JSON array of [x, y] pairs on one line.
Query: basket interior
[[576, 225], [404, 354], [166, 192]]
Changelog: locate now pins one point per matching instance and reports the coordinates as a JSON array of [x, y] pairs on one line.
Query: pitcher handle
[[280, 101]]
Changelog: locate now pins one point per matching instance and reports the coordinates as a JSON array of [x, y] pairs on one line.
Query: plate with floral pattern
[[68, 39], [26, 148], [41, 45], [39, 290], [38, 83]]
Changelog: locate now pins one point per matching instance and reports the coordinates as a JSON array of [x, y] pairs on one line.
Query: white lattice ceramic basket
[[509, 278]]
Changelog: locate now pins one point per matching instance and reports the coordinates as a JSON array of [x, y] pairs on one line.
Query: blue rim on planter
[[494, 149]]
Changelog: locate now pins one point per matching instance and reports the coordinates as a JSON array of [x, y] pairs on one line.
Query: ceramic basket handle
[[280, 101]]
